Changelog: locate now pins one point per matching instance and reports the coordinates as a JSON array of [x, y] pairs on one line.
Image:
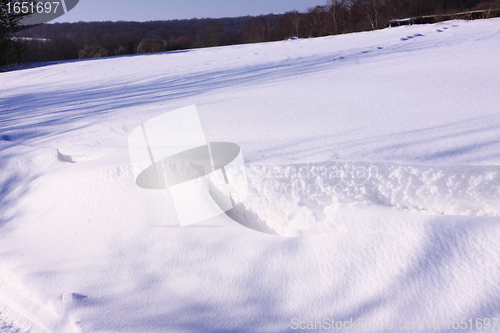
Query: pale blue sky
[[148, 10]]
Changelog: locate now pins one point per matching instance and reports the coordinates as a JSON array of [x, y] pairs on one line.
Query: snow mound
[[72, 158], [72, 297], [306, 198]]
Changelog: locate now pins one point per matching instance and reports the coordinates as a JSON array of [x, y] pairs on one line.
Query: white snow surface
[[392, 213]]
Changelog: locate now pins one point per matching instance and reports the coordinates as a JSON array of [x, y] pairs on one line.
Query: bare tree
[[393, 8], [295, 18], [348, 5], [208, 35], [10, 23], [333, 10], [315, 19], [257, 30], [150, 46], [370, 10]]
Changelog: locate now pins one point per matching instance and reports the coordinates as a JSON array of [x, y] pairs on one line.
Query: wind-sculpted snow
[[304, 198]]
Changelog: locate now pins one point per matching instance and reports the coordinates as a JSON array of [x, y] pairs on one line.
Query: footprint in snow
[[410, 37]]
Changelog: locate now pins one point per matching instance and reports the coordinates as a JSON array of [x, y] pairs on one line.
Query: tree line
[[66, 41]]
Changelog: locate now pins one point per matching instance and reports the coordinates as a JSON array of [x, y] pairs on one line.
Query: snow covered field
[[392, 216]]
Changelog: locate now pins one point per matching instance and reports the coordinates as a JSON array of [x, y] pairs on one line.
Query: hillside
[[413, 240]]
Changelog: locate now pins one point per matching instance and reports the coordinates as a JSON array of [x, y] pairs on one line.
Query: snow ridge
[[303, 197]]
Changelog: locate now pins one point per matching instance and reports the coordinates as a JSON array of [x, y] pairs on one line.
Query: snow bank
[[304, 198]]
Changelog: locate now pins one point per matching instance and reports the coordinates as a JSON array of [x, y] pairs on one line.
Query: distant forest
[[65, 41]]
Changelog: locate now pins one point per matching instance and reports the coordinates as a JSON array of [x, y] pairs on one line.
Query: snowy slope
[[397, 202]]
